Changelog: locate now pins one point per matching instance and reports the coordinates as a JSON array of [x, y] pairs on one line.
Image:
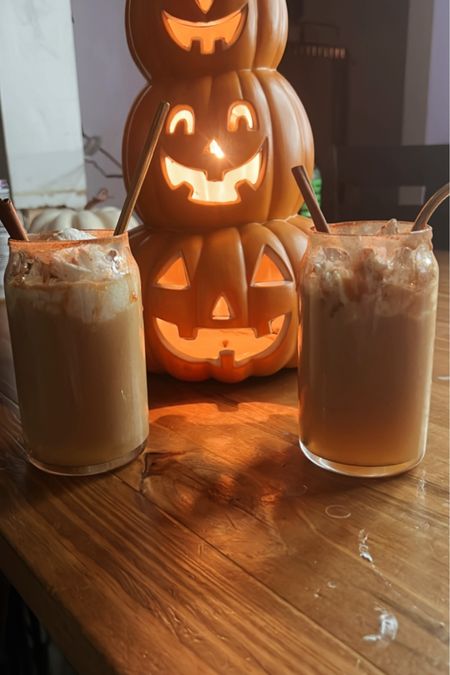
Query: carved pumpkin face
[[222, 305], [218, 180], [208, 36], [205, 36], [226, 144]]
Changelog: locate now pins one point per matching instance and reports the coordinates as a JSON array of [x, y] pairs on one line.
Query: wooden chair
[[371, 182]]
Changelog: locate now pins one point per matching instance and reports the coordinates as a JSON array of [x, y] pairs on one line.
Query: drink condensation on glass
[[75, 317], [368, 296]]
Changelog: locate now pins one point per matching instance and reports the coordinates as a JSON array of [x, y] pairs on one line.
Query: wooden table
[[223, 550]]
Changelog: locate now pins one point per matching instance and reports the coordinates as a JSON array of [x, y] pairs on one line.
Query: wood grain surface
[[223, 550]]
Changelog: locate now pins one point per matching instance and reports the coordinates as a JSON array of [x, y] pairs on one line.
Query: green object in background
[[316, 183]]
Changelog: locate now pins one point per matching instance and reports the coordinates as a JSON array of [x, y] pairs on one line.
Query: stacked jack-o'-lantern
[[220, 245]]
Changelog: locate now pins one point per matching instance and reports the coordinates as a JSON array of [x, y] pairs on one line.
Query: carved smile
[[208, 34], [206, 191], [223, 346]]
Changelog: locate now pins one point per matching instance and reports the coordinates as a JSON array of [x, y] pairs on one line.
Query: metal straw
[[430, 207], [303, 183], [142, 167]]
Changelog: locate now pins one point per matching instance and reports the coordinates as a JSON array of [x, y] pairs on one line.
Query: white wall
[[426, 103], [39, 108], [415, 107], [437, 128], [108, 81]]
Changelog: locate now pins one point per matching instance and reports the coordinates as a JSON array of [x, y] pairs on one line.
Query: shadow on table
[[210, 476]]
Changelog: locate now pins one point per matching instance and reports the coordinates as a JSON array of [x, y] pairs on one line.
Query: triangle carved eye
[[270, 270], [174, 275], [222, 310]]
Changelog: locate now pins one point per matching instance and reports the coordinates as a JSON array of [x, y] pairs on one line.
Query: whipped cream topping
[[92, 282], [368, 268], [388, 277], [93, 263], [69, 264], [69, 234]]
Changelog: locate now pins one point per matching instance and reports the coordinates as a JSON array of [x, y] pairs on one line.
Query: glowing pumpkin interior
[[202, 189], [227, 346]]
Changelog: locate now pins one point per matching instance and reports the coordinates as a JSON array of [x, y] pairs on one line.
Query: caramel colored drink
[[75, 317], [368, 306]]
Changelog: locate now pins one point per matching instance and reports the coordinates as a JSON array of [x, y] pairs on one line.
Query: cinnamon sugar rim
[[339, 230], [103, 237]]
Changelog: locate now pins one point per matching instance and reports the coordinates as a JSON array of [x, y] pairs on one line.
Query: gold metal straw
[[303, 183], [142, 167], [430, 207]]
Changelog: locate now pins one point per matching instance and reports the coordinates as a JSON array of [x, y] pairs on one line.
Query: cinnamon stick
[[10, 219]]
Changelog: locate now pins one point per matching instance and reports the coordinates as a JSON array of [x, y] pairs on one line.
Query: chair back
[[391, 182]]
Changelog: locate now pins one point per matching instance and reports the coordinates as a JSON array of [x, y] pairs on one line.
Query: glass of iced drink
[[75, 317], [368, 312]]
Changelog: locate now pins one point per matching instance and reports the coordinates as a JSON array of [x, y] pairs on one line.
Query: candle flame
[[216, 150], [205, 5]]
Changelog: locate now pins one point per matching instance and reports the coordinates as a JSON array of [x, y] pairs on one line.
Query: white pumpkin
[[56, 220]]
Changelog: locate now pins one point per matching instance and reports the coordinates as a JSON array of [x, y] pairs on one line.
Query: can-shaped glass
[[368, 295], [75, 318]]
